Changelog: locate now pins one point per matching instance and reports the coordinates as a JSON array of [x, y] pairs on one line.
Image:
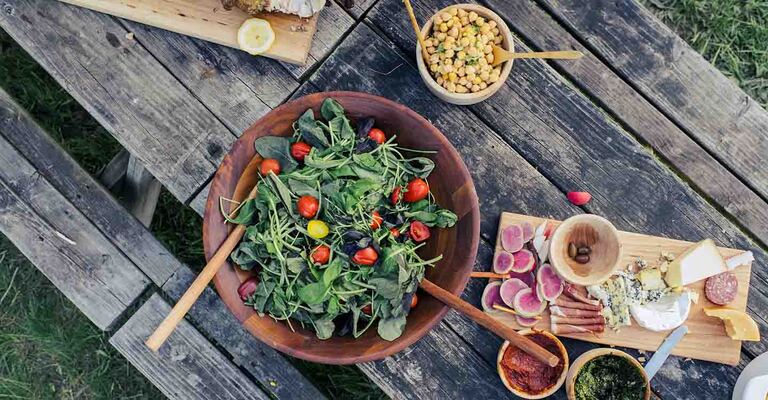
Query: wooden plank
[[150, 113], [140, 191], [112, 174], [638, 115], [54, 165], [677, 79], [358, 8], [706, 339], [208, 20], [187, 366], [63, 244]]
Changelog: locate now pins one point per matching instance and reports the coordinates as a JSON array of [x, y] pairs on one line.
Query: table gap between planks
[[552, 128]]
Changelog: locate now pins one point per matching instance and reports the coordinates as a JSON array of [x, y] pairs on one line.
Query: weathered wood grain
[[639, 115], [706, 104], [63, 244], [54, 165], [140, 191], [187, 366], [112, 174], [358, 8], [150, 113]]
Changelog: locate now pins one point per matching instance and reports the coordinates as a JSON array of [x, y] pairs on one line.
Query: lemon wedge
[[255, 36], [738, 325]]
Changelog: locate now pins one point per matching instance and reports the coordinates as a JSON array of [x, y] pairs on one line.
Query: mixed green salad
[[335, 227]]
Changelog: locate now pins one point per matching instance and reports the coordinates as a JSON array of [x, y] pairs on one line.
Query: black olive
[[364, 126]]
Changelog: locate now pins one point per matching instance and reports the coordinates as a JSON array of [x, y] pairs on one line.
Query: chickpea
[[485, 28], [443, 27], [496, 71], [441, 36], [461, 55], [461, 12], [482, 61], [472, 52], [475, 88], [449, 53], [451, 87], [477, 81], [483, 85], [464, 20], [439, 80], [480, 21], [431, 50], [464, 41], [445, 16], [472, 16], [449, 40], [448, 69], [458, 63], [454, 32], [434, 67], [449, 23], [448, 61], [488, 49], [471, 77], [470, 69], [463, 81], [493, 79], [498, 40], [484, 75], [461, 89], [452, 77], [453, 11], [486, 68], [469, 84], [495, 31], [489, 57]]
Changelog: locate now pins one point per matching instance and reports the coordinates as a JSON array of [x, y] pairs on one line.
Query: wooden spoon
[[196, 288], [500, 55]]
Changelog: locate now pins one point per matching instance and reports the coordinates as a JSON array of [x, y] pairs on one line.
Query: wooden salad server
[[196, 288], [500, 55]]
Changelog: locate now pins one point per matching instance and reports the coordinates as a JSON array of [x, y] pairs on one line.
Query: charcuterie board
[[706, 339], [208, 20]]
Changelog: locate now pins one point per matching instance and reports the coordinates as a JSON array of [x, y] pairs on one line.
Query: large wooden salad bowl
[[450, 183]]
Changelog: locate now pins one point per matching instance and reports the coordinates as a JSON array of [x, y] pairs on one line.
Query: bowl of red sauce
[[528, 377]]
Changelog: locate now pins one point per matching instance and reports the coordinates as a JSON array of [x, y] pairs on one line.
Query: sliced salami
[[721, 289]]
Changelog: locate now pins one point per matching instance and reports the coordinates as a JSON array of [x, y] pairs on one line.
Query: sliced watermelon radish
[[524, 261], [509, 289], [503, 262], [549, 285], [527, 304], [527, 277], [512, 238], [491, 295], [527, 322], [527, 231]]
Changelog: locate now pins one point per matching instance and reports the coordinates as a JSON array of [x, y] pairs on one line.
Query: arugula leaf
[[310, 132], [313, 160], [282, 191], [276, 147], [391, 328], [312, 293], [331, 109]]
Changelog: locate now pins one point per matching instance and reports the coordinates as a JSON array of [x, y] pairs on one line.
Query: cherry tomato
[[269, 165], [376, 220], [367, 310], [419, 232], [320, 254], [414, 300], [394, 232], [417, 190], [307, 206], [395, 196], [366, 256], [377, 135], [248, 288], [299, 150], [317, 229]]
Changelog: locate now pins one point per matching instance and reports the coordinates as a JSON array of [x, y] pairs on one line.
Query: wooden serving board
[[208, 20], [706, 338]]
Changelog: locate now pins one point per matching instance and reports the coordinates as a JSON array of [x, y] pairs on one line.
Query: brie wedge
[[667, 313], [700, 261]]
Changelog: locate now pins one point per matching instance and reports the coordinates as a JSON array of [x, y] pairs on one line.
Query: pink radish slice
[[491, 295], [527, 304], [527, 277], [549, 285], [509, 289], [527, 231], [524, 261], [503, 262], [527, 322], [512, 238]]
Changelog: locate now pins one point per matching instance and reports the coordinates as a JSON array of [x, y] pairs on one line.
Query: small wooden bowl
[[586, 230], [573, 373], [467, 98], [550, 391]]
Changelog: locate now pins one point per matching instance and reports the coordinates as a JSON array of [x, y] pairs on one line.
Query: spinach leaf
[[332, 271], [391, 328], [367, 161], [245, 255], [386, 287], [276, 147], [341, 126], [301, 189], [441, 218], [263, 292], [295, 264], [313, 160], [283, 191], [312, 293], [310, 132], [331, 109], [419, 166], [244, 214], [324, 327]]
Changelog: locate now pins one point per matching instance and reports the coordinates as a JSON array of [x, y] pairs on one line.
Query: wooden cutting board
[[208, 20], [706, 338]]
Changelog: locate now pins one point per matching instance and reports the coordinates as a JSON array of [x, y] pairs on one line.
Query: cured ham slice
[[573, 312], [559, 329], [579, 293], [563, 301], [577, 320]]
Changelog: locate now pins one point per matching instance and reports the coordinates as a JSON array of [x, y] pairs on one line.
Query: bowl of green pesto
[[607, 374]]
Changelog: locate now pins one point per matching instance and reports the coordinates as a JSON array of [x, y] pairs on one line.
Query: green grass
[[49, 350]]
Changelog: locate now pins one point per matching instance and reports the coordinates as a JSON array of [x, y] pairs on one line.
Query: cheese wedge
[[698, 262], [738, 325]]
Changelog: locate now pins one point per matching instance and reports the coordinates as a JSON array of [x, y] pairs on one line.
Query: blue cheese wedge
[[700, 261]]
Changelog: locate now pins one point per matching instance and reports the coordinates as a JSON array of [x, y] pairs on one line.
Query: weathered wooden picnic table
[[665, 143]]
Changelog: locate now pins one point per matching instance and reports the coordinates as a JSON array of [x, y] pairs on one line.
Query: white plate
[[756, 368]]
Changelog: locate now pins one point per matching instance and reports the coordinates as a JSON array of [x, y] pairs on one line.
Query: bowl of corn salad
[[459, 41]]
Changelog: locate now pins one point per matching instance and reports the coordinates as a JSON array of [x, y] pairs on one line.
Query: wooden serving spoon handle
[[500, 55], [490, 323], [196, 288]]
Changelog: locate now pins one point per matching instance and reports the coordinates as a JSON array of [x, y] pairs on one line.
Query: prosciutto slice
[[573, 312], [559, 329], [579, 293], [577, 320], [563, 301]]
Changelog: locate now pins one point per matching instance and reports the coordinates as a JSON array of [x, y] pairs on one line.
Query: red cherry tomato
[[417, 190], [394, 232], [367, 310], [414, 300], [366, 256], [376, 220], [377, 135], [299, 150], [248, 288], [307, 206], [419, 232], [321, 254], [269, 165], [395, 196]]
